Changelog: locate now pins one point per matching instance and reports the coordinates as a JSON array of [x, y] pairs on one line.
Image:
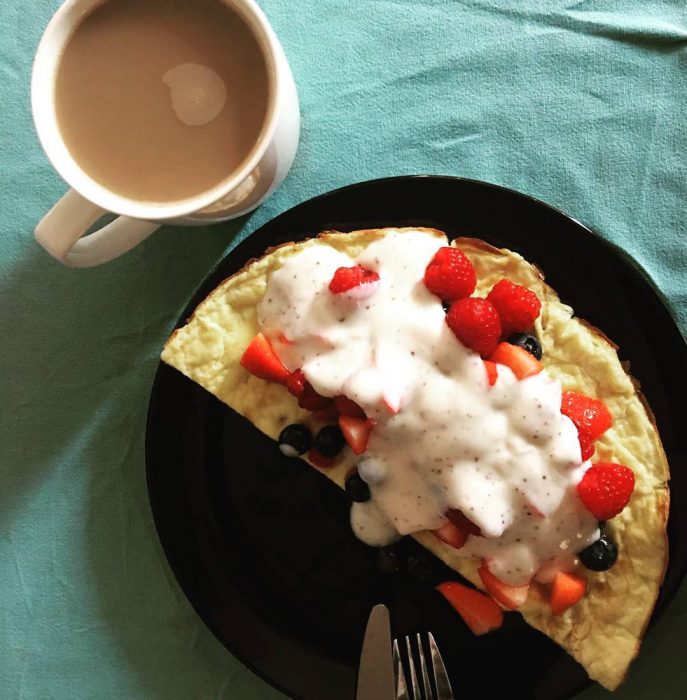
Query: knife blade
[[375, 671]]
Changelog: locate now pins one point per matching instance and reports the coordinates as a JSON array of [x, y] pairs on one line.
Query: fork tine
[[413, 674], [443, 684], [425, 678], [401, 690]]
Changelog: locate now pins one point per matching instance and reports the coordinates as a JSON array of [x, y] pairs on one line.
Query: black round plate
[[261, 544]]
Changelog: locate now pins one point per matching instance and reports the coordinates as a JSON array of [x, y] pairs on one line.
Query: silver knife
[[376, 672]]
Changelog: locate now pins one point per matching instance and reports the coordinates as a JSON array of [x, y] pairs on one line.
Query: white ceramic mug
[[61, 231]]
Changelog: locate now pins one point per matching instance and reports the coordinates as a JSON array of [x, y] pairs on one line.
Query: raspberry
[[475, 323], [590, 416], [606, 489], [296, 382], [517, 306], [346, 278], [310, 400], [450, 275], [307, 397]]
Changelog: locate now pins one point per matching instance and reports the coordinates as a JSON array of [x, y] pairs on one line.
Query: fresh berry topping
[[586, 446], [259, 359], [566, 590], [492, 372], [310, 400], [328, 414], [601, 555], [527, 342], [346, 407], [606, 489], [388, 559], [356, 431], [392, 401], [329, 441], [533, 510], [509, 597], [590, 416], [479, 612], [475, 323], [451, 534], [520, 361], [357, 490], [319, 460], [346, 278], [296, 382], [295, 440], [450, 275], [462, 522], [517, 306]]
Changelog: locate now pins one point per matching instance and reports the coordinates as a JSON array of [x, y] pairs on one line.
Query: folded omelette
[[602, 631]]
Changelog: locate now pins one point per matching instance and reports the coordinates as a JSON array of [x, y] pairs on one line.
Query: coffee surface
[[161, 100]]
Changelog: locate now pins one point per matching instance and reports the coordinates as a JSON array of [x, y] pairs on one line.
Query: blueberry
[[446, 305], [528, 342], [357, 489], [329, 441], [601, 555], [388, 559], [295, 440]]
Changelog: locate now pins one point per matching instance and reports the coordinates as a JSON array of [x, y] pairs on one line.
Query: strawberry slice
[[479, 612], [533, 510], [492, 371], [509, 597], [259, 359], [346, 407], [392, 398], [566, 590], [451, 534], [518, 359], [462, 522], [456, 529], [391, 405], [586, 446], [320, 460], [356, 431]]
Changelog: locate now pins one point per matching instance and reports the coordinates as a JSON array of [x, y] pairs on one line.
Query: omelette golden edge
[[602, 631]]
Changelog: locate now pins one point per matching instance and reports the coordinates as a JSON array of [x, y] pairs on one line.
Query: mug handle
[[60, 232]]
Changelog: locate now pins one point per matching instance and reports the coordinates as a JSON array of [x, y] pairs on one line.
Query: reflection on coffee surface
[[161, 100]]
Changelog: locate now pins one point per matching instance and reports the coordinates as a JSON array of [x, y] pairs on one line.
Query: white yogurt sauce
[[503, 455]]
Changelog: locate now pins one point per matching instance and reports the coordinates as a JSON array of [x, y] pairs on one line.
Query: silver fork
[[439, 688]]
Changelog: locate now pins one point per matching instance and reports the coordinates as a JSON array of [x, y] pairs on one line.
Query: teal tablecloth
[[581, 104]]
